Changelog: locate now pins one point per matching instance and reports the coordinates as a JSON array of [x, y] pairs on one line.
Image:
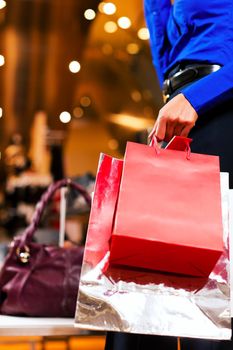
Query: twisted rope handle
[[28, 233]]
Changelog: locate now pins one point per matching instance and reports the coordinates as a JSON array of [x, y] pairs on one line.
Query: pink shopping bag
[[168, 215]]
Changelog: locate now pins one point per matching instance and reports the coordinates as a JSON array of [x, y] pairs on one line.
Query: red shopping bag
[[168, 215], [102, 209]]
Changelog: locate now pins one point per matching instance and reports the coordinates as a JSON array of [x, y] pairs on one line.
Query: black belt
[[185, 76]]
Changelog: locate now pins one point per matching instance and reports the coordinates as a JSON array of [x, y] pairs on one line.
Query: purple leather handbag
[[37, 279]]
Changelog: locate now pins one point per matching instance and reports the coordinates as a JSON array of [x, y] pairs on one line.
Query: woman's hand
[[177, 117]]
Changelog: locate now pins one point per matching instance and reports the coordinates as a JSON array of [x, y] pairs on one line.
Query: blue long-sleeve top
[[194, 31]]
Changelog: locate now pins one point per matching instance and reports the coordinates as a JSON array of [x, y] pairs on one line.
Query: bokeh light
[[65, 117], [109, 8], [132, 48], [113, 144], [143, 33], [136, 96], [78, 112], [89, 14], [2, 4], [85, 101], [124, 22], [2, 60], [74, 66], [110, 27]]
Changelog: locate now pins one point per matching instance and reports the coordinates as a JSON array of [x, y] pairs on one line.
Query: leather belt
[[185, 76]]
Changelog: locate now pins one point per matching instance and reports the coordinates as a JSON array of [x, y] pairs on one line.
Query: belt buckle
[[165, 97], [166, 88]]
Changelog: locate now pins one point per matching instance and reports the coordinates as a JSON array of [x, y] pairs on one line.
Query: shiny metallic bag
[[146, 302]]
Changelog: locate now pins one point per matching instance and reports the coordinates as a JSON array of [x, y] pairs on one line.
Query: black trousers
[[212, 134], [125, 341]]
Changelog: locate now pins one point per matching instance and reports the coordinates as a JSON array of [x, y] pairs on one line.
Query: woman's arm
[[212, 90], [179, 115], [156, 14]]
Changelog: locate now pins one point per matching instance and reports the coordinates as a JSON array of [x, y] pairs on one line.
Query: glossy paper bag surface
[[103, 208], [168, 216]]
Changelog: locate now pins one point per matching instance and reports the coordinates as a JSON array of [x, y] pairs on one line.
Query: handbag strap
[[29, 232]]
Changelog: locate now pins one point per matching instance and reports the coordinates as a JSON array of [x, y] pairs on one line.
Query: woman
[[192, 49]]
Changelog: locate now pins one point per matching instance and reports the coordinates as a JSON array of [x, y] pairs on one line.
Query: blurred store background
[[76, 79]]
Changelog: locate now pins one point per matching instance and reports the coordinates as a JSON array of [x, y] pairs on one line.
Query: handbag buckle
[[23, 254]]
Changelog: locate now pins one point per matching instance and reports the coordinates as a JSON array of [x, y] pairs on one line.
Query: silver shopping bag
[[145, 302]]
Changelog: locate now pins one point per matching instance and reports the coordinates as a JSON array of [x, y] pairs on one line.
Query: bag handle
[[177, 143], [28, 233]]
